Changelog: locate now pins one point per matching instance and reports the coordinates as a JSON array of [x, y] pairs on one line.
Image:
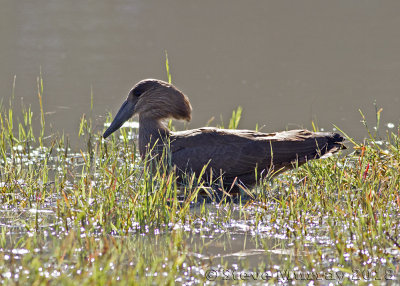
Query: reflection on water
[[83, 214], [286, 63]]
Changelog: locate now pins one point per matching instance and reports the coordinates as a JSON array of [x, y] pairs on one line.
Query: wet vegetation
[[99, 216]]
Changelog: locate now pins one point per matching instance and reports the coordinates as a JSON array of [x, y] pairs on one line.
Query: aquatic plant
[[99, 216]]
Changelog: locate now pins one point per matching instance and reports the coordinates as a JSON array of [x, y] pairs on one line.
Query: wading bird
[[239, 156]]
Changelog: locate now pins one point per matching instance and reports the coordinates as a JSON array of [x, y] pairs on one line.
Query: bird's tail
[[296, 147], [335, 142]]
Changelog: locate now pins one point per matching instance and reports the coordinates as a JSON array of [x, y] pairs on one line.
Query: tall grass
[[99, 216]]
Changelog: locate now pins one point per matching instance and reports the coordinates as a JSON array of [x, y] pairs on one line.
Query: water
[[286, 63], [66, 215]]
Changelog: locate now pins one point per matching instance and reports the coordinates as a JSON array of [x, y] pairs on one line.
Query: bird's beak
[[125, 112]]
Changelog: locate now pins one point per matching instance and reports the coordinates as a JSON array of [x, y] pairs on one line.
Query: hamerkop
[[241, 156]]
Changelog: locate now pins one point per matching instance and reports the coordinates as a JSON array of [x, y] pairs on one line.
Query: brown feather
[[238, 152]]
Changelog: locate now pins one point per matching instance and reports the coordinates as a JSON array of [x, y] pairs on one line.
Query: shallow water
[[285, 63], [54, 221]]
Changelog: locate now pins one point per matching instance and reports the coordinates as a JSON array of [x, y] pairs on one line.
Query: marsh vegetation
[[97, 215]]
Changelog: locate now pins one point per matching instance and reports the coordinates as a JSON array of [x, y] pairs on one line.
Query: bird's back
[[237, 153]]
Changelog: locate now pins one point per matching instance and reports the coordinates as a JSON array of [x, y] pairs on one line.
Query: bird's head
[[152, 99]]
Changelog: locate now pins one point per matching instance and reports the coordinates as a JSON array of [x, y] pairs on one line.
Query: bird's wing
[[218, 148], [239, 152]]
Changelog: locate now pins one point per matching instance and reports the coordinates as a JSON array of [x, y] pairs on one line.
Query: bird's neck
[[151, 131]]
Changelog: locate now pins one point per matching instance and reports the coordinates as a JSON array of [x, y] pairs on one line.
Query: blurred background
[[285, 62]]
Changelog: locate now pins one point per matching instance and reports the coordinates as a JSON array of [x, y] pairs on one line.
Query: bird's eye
[[143, 87], [140, 89], [137, 92]]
